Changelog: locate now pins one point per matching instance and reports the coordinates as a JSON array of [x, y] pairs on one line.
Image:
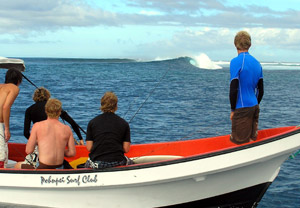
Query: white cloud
[[34, 15], [218, 43], [181, 27], [18, 16], [150, 13]]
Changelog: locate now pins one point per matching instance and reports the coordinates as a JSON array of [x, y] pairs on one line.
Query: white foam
[[204, 62]]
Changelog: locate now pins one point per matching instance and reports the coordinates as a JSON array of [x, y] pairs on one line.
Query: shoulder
[[235, 64], [39, 124], [30, 107], [61, 126], [66, 127], [253, 62], [9, 87], [235, 61], [12, 87], [123, 121], [95, 119], [253, 59]]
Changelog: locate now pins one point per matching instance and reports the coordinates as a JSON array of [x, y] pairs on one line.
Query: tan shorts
[[244, 125]]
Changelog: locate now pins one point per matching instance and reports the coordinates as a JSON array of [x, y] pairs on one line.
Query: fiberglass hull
[[232, 175]]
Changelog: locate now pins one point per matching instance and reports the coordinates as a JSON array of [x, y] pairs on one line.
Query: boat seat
[[153, 158], [136, 160]]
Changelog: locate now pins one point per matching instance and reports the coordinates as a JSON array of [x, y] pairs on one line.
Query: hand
[[81, 142], [231, 115], [7, 135]]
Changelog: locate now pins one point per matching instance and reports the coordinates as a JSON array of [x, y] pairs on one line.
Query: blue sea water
[[165, 101]]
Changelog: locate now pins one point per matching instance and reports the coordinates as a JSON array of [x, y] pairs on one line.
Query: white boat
[[12, 63], [207, 172]]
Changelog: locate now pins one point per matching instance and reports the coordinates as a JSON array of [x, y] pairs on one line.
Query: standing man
[[52, 138], [108, 136], [8, 93], [246, 91]]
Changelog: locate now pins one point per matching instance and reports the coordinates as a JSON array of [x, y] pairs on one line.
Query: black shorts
[[40, 166], [244, 124]]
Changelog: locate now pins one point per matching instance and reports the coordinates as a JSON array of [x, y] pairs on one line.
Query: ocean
[[166, 100]]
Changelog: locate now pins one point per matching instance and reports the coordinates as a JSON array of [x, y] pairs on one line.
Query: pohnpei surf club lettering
[[80, 179]]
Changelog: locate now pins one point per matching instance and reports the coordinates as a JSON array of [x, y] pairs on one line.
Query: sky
[[149, 29]]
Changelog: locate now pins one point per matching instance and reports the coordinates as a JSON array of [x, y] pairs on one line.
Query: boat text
[[69, 180]]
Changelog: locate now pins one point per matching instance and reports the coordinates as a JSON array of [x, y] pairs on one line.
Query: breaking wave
[[201, 61], [204, 62]]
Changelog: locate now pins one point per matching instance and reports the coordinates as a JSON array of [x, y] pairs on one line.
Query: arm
[[27, 122], [260, 90], [89, 137], [126, 146], [89, 145], [70, 151], [12, 95], [234, 86], [32, 141]]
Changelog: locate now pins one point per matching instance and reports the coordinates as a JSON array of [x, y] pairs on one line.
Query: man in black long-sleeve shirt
[[36, 113]]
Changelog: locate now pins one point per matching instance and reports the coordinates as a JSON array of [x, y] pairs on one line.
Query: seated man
[[52, 138], [108, 136], [36, 112]]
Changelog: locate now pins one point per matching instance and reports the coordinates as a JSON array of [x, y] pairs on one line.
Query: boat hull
[[223, 189], [234, 177]]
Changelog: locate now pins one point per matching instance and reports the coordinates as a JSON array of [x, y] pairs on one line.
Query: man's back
[[52, 138], [108, 131], [248, 71], [8, 93]]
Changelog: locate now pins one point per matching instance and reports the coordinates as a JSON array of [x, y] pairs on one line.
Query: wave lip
[[204, 62]]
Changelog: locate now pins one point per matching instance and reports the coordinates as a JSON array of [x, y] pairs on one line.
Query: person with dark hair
[[108, 136], [246, 91], [13, 76], [53, 138], [8, 93]]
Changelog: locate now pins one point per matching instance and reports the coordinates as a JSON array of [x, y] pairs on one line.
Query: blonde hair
[[41, 94], [109, 102], [53, 108], [242, 40]]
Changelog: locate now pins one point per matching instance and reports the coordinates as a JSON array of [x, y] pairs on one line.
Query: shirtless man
[[52, 138], [8, 93]]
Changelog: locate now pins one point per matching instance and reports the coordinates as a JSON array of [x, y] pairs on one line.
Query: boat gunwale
[[200, 156]]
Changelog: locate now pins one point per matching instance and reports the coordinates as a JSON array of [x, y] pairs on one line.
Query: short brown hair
[[109, 102], [41, 94], [242, 40], [53, 108]]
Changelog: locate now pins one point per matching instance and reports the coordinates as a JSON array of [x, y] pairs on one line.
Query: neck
[[52, 118], [242, 51]]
